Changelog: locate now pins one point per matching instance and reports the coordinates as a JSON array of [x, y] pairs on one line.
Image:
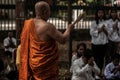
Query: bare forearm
[[66, 34]]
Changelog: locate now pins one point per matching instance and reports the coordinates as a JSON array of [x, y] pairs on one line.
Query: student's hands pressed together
[[90, 61]]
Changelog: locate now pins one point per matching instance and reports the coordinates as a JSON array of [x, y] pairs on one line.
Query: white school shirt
[[108, 71], [6, 42], [98, 38], [113, 35], [74, 57], [83, 71]]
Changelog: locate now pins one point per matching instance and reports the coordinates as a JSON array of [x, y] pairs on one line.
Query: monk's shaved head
[[50, 2], [41, 7]]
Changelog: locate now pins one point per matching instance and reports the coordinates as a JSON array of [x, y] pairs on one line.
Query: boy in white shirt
[[84, 67], [112, 69]]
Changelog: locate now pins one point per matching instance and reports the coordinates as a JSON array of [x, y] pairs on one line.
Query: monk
[[39, 48]]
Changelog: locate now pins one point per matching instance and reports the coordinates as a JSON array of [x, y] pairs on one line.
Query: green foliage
[[95, 2], [89, 1]]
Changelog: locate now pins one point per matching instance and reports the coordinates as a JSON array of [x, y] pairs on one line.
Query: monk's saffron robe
[[38, 59]]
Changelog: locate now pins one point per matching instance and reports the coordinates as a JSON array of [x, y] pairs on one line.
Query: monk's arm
[[57, 35]]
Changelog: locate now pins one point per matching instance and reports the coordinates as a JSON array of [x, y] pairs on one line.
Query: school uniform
[[108, 72], [99, 42], [113, 36], [82, 71]]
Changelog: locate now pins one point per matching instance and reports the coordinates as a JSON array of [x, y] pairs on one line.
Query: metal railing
[[7, 15]]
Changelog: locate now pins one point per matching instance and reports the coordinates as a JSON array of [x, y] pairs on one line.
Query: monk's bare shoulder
[[51, 28], [44, 30], [53, 33], [41, 27]]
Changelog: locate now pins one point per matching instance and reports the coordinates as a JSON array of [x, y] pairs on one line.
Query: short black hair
[[81, 44], [115, 56], [88, 53]]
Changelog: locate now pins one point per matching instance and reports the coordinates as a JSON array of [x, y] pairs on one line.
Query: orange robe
[[38, 59]]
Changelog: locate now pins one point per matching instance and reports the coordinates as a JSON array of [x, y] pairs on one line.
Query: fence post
[[69, 22], [19, 18]]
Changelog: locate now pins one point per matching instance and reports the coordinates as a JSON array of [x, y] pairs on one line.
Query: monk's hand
[[79, 18], [83, 15]]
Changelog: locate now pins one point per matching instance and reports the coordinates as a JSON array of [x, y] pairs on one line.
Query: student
[[78, 53], [99, 38], [9, 44], [113, 29], [85, 67], [112, 69]]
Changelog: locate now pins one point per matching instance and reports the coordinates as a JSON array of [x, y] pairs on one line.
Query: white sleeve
[[94, 29], [110, 28], [96, 70], [74, 57], [5, 42], [119, 28], [79, 70], [108, 74], [72, 60], [15, 42]]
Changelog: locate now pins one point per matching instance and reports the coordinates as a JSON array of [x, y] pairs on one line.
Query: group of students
[[105, 41], [84, 66], [8, 70], [105, 36]]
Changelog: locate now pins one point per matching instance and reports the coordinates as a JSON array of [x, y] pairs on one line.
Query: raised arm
[[63, 37], [57, 35]]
